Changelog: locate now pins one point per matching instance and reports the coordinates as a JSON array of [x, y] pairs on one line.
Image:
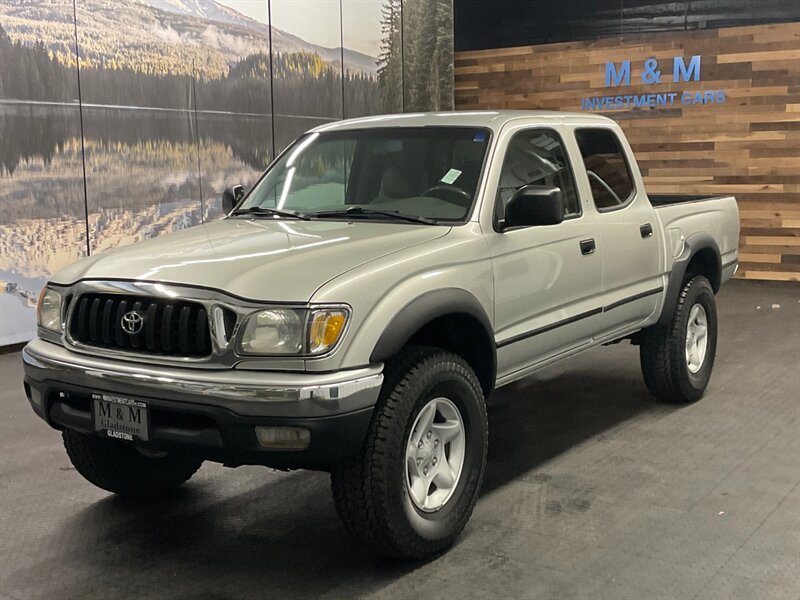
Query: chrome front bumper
[[246, 393]]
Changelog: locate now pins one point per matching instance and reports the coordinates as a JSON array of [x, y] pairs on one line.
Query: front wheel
[[120, 468], [677, 359], [412, 489]]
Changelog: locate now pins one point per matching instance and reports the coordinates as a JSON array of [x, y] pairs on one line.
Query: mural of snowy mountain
[[177, 36], [282, 41], [204, 9]]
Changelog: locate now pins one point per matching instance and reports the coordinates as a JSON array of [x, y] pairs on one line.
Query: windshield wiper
[[260, 210], [360, 210]]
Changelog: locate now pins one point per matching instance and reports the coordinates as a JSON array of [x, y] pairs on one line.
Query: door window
[[537, 157], [606, 167]]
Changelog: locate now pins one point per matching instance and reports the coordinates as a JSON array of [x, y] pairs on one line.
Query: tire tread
[[662, 347], [359, 488], [123, 470]]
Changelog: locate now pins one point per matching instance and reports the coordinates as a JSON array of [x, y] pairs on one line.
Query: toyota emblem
[[132, 322]]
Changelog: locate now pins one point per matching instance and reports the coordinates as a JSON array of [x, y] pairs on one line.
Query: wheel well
[[705, 262], [464, 335]]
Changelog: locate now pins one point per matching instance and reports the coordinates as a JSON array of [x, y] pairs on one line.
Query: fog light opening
[[287, 438]]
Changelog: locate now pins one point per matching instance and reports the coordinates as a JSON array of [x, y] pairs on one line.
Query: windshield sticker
[[450, 176], [479, 137]]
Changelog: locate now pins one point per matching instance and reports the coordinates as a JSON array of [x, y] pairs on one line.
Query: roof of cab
[[493, 119]]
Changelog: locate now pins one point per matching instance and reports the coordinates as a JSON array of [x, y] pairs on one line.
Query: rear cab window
[[606, 167]]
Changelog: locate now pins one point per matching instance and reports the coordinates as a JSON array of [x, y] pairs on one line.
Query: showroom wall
[[709, 100], [125, 119]]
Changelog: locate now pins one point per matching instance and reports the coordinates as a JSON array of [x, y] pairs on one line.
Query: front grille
[[159, 326]]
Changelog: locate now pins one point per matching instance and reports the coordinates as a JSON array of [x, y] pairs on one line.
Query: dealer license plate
[[121, 418]]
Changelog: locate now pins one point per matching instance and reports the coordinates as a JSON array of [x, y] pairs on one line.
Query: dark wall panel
[[491, 24]]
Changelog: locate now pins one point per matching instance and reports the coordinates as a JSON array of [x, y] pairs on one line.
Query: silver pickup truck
[[361, 301]]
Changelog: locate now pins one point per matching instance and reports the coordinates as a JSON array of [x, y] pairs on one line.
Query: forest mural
[[125, 119]]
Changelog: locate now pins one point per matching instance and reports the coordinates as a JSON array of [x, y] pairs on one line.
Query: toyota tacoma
[[362, 299]]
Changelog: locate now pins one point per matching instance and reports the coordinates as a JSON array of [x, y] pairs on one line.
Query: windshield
[[424, 174]]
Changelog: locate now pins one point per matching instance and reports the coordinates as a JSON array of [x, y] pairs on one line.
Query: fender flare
[[692, 245], [424, 309]]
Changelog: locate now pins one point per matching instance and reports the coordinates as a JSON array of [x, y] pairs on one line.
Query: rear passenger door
[[629, 239], [547, 278]]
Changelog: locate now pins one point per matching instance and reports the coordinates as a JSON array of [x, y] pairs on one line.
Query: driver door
[[547, 279]]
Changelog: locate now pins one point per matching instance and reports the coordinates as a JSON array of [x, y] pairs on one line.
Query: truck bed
[[668, 199], [683, 217]]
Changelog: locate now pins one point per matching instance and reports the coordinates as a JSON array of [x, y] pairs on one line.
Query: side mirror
[[534, 205], [231, 197]]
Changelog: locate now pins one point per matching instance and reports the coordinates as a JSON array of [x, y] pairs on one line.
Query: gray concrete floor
[[591, 490]]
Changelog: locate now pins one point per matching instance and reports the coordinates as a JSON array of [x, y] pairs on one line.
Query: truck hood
[[261, 259]]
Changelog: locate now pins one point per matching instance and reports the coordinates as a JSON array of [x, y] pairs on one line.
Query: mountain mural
[[176, 100], [203, 9], [179, 37], [282, 41]]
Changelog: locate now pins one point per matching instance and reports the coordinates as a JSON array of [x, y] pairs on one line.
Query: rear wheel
[[412, 489], [677, 359], [120, 468]]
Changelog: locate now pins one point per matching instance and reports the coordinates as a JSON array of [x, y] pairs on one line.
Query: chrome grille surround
[[225, 315]]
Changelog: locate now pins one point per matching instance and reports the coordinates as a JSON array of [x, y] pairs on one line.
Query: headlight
[[274, 331], [48, 310], [288, 331]]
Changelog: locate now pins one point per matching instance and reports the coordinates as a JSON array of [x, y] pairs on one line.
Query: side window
[[606, 167], [537, 157]]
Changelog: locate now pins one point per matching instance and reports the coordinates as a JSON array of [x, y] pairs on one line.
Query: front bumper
[[211, 412]]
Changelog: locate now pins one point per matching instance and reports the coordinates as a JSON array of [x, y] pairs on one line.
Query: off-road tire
[[369, 489], [120, 468], [662, 349]]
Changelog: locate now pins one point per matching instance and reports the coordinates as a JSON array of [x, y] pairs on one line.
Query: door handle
[[588, 246], [646, 230]]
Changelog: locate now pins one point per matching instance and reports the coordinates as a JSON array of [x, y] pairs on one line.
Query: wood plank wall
[[748, 146]]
